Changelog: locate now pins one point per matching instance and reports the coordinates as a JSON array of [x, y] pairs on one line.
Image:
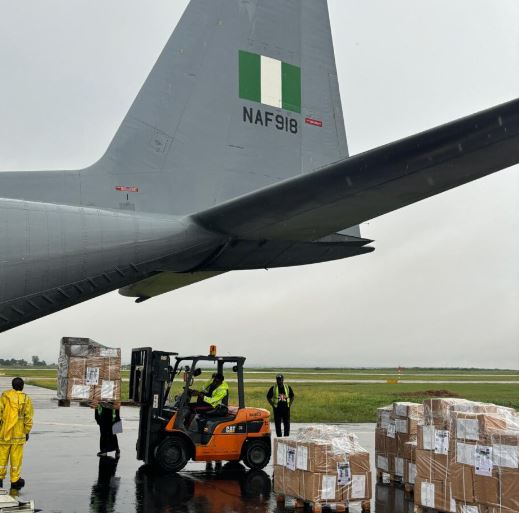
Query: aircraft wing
[[374, 183]]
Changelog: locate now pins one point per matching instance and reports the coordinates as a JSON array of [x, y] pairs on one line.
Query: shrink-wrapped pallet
[[397, 425], [322, 465], [485, 460], [455, 449], [89, 372]]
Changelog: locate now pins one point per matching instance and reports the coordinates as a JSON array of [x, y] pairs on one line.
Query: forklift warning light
[[212, 350]]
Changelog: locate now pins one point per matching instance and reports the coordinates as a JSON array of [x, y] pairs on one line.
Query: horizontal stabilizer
[[374, 183]]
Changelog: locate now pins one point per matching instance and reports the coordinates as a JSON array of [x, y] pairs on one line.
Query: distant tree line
[[20, 363]]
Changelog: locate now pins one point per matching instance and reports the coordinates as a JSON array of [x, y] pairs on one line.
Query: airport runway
[[64, 475]]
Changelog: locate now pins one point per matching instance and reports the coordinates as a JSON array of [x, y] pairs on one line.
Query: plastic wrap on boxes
[[486, 469], [322, 464], [88, 371], [401, 421]]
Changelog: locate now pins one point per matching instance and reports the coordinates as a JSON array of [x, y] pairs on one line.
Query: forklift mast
[[150, 378]]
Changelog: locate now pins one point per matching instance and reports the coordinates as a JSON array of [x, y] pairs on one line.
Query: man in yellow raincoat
[[16, 414]]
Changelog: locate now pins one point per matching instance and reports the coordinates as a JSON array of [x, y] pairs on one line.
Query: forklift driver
[[212, 397]]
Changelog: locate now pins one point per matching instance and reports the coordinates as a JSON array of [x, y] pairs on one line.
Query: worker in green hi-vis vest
[[281, 398]]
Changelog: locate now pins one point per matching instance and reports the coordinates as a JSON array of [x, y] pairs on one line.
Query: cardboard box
[[465, 507], [409, 452], [287, 482], [360, 463], [510, 489], [409, 472], [359, 488], [384, 462], [407, 409], [431, 466], [380, 439], [486, 490], [384, 416], [316, 487], [462, 481], [477, 426], [434, 494]]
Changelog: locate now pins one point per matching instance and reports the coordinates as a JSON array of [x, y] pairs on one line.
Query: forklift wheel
[[256, 454], [172, 454]]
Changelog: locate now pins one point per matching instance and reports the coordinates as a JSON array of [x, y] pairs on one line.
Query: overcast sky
[[442, 288]]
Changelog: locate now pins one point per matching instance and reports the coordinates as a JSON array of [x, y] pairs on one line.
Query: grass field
[[351, 402]]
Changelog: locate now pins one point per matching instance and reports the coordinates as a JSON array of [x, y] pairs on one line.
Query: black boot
[[1, 483], [17, 485]]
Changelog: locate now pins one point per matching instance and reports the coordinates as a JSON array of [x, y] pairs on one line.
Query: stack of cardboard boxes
[[485, 460], [88, 372], [322, 465], [396, 433], [456, 449]]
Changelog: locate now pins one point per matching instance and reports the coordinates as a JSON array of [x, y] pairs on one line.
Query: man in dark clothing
[[106, 416], [281, 398]]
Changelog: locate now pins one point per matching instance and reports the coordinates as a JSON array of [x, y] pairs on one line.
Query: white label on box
[[386, 478], [412, 473], [385, 419], [382, 463], [427, 495], [401, 410], [441, 442], [453, 504], [399, 466], [484, 464], [108, 352], [80, 392], [466, 454], [291, 458], [358, 487], [467, 429], [328, 490], [429, 438], [302, 457], [92, 376], [343, 474], [155, 400], [505, 456], [465, 508], [281, 455], [391, 430], [107, 389], [401, 426]]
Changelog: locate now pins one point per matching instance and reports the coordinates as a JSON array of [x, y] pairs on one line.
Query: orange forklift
[[171, 434]]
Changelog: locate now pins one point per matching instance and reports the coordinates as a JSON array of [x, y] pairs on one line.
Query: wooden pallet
[[317, 507]]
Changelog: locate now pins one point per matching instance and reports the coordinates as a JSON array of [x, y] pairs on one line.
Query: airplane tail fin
[[244, 95]]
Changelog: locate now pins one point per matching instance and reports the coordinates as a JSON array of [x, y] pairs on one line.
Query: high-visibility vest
[[100, 411], [276, 395]]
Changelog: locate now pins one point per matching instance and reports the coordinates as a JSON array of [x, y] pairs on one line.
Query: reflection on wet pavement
[[104, 491], [230, 488]]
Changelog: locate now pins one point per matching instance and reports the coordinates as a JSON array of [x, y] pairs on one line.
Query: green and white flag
[[269, 81]]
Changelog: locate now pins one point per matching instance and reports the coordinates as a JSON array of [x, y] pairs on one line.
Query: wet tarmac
[[64, 475]]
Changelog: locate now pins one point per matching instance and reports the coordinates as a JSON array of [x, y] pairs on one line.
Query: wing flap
[[376, 182], [252, 254]]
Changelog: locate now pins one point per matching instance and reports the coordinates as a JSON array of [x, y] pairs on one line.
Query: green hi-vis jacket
[[16, 414], [218, 396]]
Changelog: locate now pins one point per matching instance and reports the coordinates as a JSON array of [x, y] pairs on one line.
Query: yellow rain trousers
[[16, 413]]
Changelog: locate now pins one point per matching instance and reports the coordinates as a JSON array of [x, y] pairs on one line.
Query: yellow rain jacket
[[16, 413]]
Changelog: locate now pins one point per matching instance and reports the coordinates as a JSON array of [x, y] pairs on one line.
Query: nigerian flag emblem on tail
[[269, 81]]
